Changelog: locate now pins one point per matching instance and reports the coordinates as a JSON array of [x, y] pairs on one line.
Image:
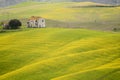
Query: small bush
[[6, 26], [1, 23], [116, 29]]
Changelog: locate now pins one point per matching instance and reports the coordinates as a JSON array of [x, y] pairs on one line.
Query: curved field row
[[54, 53]]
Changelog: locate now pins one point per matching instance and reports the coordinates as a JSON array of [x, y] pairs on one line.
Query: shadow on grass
[[96, 6], [94, 25]]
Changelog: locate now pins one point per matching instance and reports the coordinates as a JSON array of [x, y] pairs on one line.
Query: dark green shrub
[[114, 29], [14, 24]]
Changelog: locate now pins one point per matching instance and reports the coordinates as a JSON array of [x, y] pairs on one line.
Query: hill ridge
[[4, 3]]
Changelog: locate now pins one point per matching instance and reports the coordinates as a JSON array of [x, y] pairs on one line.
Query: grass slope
[[70, 14], [59, 54]]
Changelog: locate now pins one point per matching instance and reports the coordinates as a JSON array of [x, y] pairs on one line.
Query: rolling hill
[[67, 14], [63, 50], [59, 54], [4, 3]]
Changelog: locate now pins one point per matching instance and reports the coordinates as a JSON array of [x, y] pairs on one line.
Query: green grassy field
[[67, 14], [57, 53]]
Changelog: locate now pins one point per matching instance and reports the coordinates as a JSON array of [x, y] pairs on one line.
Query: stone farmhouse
[[36, 22]]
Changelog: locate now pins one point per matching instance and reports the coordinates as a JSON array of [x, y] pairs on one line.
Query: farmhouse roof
[[34, 18]]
